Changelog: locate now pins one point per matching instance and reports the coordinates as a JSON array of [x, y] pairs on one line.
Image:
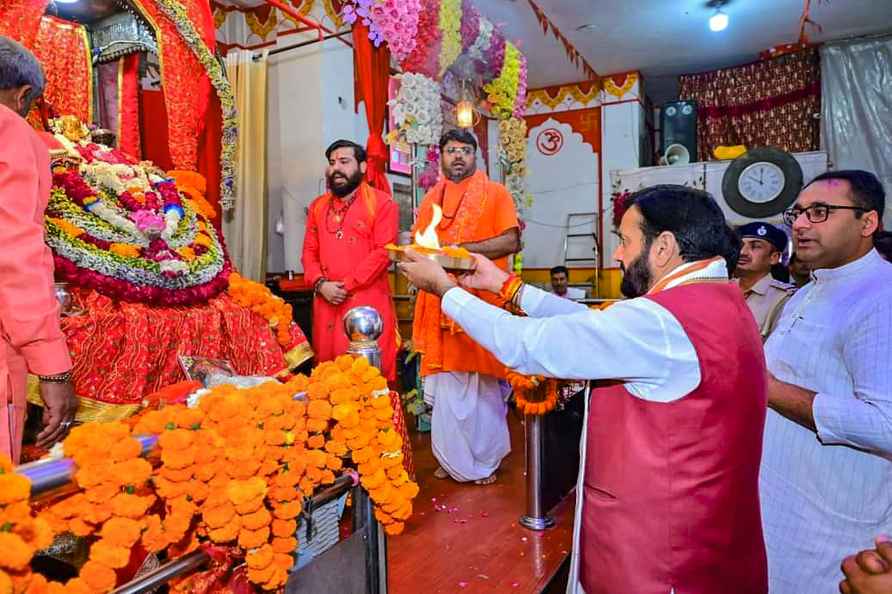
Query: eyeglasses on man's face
[[455, 150], [816, 213]]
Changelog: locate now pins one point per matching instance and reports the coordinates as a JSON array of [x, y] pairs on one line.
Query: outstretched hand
[[485, 276], [868, 572], [425, 274]]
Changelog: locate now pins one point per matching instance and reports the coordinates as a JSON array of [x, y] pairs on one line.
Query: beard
[[636, 279], [458, 176], [346, 188]]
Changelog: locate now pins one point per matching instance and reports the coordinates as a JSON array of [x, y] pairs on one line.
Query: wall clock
[[762, 182]]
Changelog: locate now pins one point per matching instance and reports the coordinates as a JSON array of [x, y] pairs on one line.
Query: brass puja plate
[[448, 261]]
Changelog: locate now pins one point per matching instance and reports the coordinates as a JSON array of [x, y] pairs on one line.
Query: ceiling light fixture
[[65, 1], [718, 21]]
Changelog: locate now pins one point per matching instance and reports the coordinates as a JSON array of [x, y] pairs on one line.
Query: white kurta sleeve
[[862, 418], [637, 341], [537, 303]]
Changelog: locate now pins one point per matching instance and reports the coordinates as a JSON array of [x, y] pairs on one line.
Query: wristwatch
[[318, 283]]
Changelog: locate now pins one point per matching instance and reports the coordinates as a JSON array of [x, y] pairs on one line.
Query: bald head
[[21, 77]]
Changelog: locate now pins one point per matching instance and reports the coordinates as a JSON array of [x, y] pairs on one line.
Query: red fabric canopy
[[372, 71]]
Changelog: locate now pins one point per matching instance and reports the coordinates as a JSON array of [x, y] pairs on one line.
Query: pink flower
[[147, 221]]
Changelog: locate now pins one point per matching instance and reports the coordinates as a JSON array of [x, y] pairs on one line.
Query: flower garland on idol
[[234, 468], [123, 229]]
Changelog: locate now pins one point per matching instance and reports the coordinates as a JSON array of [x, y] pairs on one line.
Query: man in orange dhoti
[[30, 338], [344, 257], [469, 432]]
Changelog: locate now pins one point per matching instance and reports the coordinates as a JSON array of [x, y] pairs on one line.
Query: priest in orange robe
[[30, 337], [469, 429], [344, 258]]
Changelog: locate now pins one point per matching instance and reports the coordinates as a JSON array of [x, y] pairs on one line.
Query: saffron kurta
[[474, 209], [351, 250], [30, 338]]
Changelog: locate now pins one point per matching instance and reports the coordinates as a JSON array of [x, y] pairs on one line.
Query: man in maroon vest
[[668, 494]]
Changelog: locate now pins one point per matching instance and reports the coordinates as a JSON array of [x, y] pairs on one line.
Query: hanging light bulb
[[718, 21], [464, 114]]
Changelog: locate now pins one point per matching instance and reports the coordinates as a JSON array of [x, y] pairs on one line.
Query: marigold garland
[[533, 394], [235, 467], [261, 300]]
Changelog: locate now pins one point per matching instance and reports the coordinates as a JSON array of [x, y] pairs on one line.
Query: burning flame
[[429, 237]]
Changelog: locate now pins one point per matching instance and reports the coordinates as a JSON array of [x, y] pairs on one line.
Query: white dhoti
[[469, 431]]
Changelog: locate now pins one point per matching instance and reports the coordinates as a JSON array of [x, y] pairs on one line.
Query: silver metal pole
[[46, 475], [535, 518], [364, 326]]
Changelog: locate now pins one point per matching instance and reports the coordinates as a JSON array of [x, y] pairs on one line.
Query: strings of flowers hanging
[[430, 175], [513, 152], [503, 92], [123, 228], [417, 110], [450, 31], [235, 467]]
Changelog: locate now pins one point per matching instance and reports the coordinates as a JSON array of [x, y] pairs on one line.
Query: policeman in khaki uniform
[[762, 247]]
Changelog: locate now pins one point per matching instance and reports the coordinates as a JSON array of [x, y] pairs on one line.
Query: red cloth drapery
[[64, 52], [373, 70], [209, 155], [128, 105], [20, 19], [153, 123], [767, 103], [185, 82]]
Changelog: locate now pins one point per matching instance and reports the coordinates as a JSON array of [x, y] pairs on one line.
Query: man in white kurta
[[826, 476]]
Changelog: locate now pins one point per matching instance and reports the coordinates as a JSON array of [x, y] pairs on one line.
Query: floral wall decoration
[[417, 111], [513, 153]]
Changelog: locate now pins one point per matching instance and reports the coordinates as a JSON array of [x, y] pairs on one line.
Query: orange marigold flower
[[218, 516], [256, 520], [284, 528], [260, 558], [135, 471], [244, 491], [131, 506], [285, 545], [249, 507], [394, 529], [251, 539], [16, 552], [14, 487], [316, 441], [79, 528], [110, 555], [177, 439], [288, 510], [319, 409], [121, 532], [126, 250], [226, 533], [154, 539], [177, 475], [317, 425], [98, 576], [188, 418], [261, 576], [78, 586]]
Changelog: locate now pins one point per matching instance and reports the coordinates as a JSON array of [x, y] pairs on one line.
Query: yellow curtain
[[245, 226]]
